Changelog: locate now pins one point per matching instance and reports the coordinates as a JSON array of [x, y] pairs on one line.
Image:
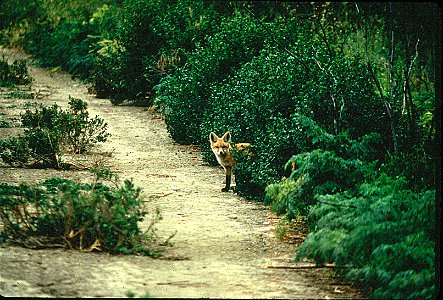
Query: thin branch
[[391, 73], [334, 102], [377, 84], [406, 86], [324, 38], [301, 267]]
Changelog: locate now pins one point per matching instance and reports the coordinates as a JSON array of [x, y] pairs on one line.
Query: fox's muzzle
[[223, 153]]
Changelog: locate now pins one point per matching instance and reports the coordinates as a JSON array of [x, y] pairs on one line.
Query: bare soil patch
[[224, 246]]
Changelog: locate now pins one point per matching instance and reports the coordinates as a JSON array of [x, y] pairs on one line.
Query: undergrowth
[[371, 233], [51, 132], [15, 73], [98, 216]]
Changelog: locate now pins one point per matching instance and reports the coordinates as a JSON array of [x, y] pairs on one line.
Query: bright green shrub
[[50, 132], [102, 215], [282, 138], [313, 173], [338, 163], [382, 236]]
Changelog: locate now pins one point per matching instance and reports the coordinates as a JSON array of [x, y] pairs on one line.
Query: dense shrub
[[15, 73], [106, 77], [281, 138], [151, 40], [50, 132], [185, 95], [102, 215], [68, 43], [382, 236], [256, 97], [68, 47], [131, 61], [270, 103], [313, 173]]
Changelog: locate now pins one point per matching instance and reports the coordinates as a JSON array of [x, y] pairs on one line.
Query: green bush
[[313, 173], [106, 76], [15, 73], [102, 215], [138, 43], [81, 132], [269, 102], [254, 99], [50, 132], [184, 96], [273, 148], [382, 236], [61, 34], [151, 41], [416, 165]]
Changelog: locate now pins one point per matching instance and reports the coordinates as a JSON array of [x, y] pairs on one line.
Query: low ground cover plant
[[380, 235], [15, 73], [50, 132], [99, 216]]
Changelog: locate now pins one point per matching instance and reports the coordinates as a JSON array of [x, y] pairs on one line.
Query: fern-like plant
[[382, 237]]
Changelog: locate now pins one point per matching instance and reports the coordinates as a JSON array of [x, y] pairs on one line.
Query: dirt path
[[223, 245]]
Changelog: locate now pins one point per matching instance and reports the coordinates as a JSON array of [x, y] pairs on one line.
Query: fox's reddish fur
[[222, 150]]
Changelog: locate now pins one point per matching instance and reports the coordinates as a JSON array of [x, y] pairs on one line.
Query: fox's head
[[220, 145]]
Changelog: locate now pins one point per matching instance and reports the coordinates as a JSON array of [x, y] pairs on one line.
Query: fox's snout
[[221, 151]]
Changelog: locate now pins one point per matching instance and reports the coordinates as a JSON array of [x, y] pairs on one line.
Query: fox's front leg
[[228, 171]]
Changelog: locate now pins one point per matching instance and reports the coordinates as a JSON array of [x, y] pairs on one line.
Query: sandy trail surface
[[224, 246]]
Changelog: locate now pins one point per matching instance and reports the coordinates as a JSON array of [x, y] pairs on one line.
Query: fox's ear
[[213, 137], [227, 137]]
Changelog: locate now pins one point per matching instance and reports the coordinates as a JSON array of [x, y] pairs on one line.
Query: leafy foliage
[[80, 131], [383, 236], [15, 73], [102, 215], [184, 97], [314, 173], [50, 132], [148, 45]]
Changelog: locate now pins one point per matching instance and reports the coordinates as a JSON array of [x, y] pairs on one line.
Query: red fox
[[222, 149]]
